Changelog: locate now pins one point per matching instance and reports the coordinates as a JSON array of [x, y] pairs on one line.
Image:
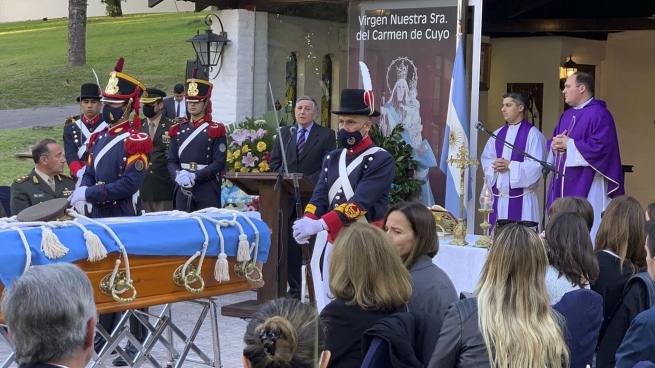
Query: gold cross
[[462, 162]]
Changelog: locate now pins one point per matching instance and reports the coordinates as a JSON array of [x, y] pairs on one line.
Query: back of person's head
[[621, 231], [570, 250], [513, 304], [650, 212], [284, 333], [586, 79], [424, 227], [50, 312], [650, 237], [578, 205], [365, 270]]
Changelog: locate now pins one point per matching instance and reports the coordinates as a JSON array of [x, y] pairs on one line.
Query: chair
[[377, 355], [5, 198], [583, 310]]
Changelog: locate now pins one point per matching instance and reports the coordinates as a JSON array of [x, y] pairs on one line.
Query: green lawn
[[33, 69], [33, 55]]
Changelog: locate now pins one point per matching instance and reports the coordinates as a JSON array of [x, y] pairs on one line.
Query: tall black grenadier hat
[[89, 90]]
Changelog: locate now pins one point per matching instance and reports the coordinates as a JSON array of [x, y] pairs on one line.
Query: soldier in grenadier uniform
[[117, 166], [78, 129], [46, 181], [157, 190], [197, 153], [360, 194]]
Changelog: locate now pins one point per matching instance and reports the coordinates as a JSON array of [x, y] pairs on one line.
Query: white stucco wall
[[20, 10]]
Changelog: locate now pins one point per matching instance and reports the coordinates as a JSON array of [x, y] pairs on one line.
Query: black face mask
[[149, 111], [111, 114], [349, 139]]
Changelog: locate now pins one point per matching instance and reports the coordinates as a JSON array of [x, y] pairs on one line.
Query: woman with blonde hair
[[368, 281], [510, 322], [285, 333]]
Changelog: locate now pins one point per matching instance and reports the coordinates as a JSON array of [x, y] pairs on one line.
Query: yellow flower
[[263, 166], [237, 165], [229, 156], [255, 170], [244, 169], [236, 154], [245, 148], [261, 146]]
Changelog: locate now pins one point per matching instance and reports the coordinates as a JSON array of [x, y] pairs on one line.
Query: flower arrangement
[[249, 147]]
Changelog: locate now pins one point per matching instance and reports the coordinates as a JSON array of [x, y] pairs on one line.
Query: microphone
[[479, 126]]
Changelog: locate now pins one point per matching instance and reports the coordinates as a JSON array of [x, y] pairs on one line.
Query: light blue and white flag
[[457, 133]]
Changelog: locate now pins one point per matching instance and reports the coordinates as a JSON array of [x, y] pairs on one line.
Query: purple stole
[[515, 210]]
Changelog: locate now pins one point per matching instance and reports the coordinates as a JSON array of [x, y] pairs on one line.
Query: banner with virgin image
[[409, 48]]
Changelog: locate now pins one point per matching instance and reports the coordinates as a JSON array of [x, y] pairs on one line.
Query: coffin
[[156, 246]]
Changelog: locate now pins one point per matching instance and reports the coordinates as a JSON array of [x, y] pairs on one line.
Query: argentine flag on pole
[[457, 133]]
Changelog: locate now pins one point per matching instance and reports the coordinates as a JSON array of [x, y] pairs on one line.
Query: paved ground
[[43, 116], [231, 331]]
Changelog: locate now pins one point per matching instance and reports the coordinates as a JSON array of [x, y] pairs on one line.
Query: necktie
[[177, 111], [51, 183], [153, 127], [301, 141]]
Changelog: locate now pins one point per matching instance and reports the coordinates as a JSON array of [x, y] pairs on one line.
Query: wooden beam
[[568, 25]]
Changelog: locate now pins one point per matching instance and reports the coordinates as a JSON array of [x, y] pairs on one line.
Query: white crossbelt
[[188, 166], [344, 182], [190, 138], [106, 148], [86, 133]]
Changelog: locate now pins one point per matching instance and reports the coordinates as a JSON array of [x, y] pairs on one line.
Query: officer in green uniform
[[46, 181], [158, 187]]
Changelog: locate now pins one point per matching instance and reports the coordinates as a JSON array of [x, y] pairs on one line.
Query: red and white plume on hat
[[369, 98]]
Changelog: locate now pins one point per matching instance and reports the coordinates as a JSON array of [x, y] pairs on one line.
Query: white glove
[[83, 208], [304, 228], [182, 180], [185, 178], [80, 174], [79, 195]]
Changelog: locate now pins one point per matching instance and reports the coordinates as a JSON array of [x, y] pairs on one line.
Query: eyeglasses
[[529, 224]]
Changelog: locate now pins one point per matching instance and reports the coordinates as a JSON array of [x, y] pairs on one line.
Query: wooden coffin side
[[153, 281]]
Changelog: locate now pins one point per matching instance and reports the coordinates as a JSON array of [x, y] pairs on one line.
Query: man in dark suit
[[46, 181], [158, 187], [51, 316], [305, 149], [175, 106]]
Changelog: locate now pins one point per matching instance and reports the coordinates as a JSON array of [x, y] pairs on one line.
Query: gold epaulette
[[66, 176], [71, 119], [20, 180]]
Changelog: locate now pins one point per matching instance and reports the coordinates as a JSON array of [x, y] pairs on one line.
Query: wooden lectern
[[273, 206]]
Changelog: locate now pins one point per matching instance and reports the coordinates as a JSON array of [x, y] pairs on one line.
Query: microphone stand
[[284, 168], [546, 167]]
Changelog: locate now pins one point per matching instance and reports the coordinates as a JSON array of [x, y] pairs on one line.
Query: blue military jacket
[[118, 160], [76, 134]]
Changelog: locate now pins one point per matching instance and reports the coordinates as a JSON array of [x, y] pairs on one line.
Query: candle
[[486, 197]]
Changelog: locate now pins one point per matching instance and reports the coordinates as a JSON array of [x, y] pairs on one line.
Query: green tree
[[113, 7]]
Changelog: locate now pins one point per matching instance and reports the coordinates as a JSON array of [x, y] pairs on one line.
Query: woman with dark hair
[[579, 205], [413, 230], [285, 333], [571, 257], [619, 250], [368, 282], [650, 212], [510, 321]]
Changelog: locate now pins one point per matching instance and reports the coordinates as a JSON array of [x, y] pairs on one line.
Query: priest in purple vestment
[[513, 177], [585, 148]]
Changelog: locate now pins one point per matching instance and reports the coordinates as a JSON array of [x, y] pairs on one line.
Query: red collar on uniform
[[86, 120], [361, 146], [198, 122], [120, 128]]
